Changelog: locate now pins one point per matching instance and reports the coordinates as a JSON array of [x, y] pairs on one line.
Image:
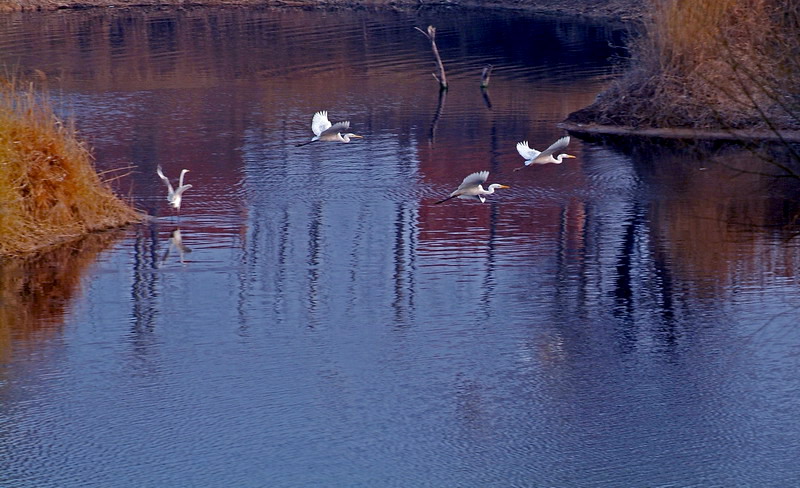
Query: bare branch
[[485, 75], [440, 77]]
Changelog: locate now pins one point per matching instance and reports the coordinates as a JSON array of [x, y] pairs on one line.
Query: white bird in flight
[[174, 195], [327, 132], [532, 156], [472, 188]]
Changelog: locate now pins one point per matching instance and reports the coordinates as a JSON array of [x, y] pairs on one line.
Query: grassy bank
[[49, 190], [709, 64]]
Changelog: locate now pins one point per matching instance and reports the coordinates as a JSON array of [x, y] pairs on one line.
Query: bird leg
[[446, 199]]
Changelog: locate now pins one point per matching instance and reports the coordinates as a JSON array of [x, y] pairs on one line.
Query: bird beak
[[570, 156], [356, 135], [504, 186]]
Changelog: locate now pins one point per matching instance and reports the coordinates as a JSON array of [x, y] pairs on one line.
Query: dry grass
[[710, 64], [49, 190]]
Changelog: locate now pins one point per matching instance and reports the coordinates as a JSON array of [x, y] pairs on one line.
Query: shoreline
[[630, 12], [741, 135], [608, 10]]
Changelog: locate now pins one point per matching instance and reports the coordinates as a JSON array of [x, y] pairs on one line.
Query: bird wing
[[474, 179], [555, 147], [182, 189], [478, 198], [164, 179], [526, 151], [183, 173], [320, 122], [337, 127]]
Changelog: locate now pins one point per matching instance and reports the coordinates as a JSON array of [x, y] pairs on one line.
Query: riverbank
[[50, 192], [616, 10], [777, 135], [706, 70]]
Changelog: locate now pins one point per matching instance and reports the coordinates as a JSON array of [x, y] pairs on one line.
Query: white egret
[[472, 189], [174, 195], [325, 131], [532, 156]]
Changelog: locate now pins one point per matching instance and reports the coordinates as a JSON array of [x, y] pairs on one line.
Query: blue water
[[627, 318]]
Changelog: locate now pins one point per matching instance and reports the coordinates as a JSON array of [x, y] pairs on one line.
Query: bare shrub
[[710, 64]]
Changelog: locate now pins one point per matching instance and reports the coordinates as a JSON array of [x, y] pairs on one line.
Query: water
[[627, 318]]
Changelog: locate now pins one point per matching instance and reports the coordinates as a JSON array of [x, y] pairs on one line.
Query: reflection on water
[[36, 292], [714, 212], [626, 318], [176, 245]]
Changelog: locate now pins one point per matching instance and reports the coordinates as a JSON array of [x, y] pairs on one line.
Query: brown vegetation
[[709, 64], [49, 190]]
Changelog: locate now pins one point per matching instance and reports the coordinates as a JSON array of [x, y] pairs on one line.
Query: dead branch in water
[[438, 114], [441, 77], [486, 99], [485, 75]]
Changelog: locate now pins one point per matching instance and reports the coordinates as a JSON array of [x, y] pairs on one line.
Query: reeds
[[710, 64], [49, 189]]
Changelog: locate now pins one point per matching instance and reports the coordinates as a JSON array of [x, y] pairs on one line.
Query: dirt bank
[[706, 69], [618, 10]]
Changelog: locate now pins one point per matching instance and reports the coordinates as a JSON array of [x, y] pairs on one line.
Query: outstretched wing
[[320, 122], [164, 179], [556, 147], [474, 179], [182, 189], [526, 151], [337, 127]]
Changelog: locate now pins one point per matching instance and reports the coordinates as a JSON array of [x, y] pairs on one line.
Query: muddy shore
[[613, 10]]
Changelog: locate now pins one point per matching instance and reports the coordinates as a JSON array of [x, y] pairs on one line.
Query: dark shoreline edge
[[741, 135], [608, 10]]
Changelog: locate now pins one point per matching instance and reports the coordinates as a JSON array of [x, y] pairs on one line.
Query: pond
[[313, 318]]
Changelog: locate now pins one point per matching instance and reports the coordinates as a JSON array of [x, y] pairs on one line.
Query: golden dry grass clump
[[710, 64], [49, 189]]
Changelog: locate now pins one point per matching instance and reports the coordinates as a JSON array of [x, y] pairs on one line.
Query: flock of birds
[[471, 188]]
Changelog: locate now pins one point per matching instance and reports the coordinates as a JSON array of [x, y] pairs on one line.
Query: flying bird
[[174, 195], [325, 131], [472, 188], [532, 156]]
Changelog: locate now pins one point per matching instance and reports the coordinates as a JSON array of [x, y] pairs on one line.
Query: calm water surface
[[628, 318]]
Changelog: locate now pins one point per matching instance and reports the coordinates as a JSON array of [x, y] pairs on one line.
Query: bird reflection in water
[[176, 243]]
